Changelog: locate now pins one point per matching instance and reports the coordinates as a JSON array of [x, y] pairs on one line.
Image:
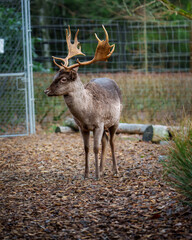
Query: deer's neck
[[78, 101]]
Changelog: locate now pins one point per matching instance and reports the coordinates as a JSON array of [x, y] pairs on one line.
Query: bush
[[178, 168]]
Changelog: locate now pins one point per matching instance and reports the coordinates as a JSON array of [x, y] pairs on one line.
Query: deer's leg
[[103, 151], [112, 131], [85, 135], [97, 135]]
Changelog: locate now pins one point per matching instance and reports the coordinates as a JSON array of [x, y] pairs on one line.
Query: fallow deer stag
[[96, 106]]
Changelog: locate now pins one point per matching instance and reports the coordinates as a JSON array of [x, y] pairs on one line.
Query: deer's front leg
[[97, 134], [85, 135]]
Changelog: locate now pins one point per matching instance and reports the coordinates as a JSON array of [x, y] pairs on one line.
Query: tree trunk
[[190, 46], [46, 53], [145, 39]]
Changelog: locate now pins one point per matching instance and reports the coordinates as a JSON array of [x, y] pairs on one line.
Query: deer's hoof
[[86, 175], [97, 176], [116, 173]]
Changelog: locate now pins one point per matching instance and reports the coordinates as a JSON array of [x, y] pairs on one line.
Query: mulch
[[43, 194]]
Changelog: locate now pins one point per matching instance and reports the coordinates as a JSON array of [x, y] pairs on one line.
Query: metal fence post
[[29, 67]]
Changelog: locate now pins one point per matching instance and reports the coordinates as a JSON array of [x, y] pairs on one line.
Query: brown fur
[[96, 107], [104, 94]]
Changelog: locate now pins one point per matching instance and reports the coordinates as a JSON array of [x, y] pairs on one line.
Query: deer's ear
[[76, 69], [73, 74]]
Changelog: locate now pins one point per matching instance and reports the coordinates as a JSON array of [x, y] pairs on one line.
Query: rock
[[162, 158], [64, 130], [70, 122], [156, 133]]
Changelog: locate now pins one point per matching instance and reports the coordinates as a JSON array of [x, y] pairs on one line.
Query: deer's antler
[[73, 49], [102, 52]]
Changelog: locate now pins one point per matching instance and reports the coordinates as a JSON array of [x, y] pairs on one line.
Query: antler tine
[[106, 34], [113, 49], [77, 43], [68, 36], [97, 37], [75, 39], [62, 59]]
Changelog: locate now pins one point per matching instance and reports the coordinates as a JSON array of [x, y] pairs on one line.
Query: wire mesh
[[12, 106], [11, 33], [151, 63], [16, 88], [165, 48]]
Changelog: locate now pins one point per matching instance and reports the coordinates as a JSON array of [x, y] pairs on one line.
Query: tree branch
[[176, 9]]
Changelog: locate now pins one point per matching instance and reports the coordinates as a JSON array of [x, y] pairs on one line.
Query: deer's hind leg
[[112, 131], [104, 141]]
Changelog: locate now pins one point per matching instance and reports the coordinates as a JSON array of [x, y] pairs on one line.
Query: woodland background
[[109, 9]]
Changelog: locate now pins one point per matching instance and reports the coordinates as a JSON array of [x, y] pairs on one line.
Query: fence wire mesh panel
[[16, 82], [152, 63]]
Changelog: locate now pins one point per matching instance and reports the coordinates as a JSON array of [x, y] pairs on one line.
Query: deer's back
[[104, 89], [102, 104]]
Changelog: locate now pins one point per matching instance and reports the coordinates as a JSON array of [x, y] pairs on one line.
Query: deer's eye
[[63, 80]]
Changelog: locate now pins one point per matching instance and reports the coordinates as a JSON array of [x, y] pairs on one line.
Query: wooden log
[[122, 128], [151, 133], [132, 128]]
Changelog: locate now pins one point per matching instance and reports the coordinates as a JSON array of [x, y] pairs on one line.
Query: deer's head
[[64, 80], [63, 83]]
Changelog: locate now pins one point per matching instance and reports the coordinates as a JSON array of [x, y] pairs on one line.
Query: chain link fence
[[16, 85]]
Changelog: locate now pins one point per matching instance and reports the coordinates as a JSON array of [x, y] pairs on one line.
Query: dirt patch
[[44, 196]]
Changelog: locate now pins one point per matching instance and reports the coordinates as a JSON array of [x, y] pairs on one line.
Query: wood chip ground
[[43, 194]]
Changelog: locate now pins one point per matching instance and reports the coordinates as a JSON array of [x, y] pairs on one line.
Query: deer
[[95, 106]]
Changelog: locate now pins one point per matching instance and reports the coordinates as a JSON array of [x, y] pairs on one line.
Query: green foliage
[[180, 10], [108, 9], [11, 32], [178, 168], [38, 66]]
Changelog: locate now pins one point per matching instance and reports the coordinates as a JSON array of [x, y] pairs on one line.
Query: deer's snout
[[47, 91]]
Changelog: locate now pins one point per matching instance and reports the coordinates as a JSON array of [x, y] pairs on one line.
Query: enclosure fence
[[141, 47], [152, 64], [17, 115]]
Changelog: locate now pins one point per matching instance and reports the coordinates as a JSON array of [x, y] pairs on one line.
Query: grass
[[178, 167], [147, 98]]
